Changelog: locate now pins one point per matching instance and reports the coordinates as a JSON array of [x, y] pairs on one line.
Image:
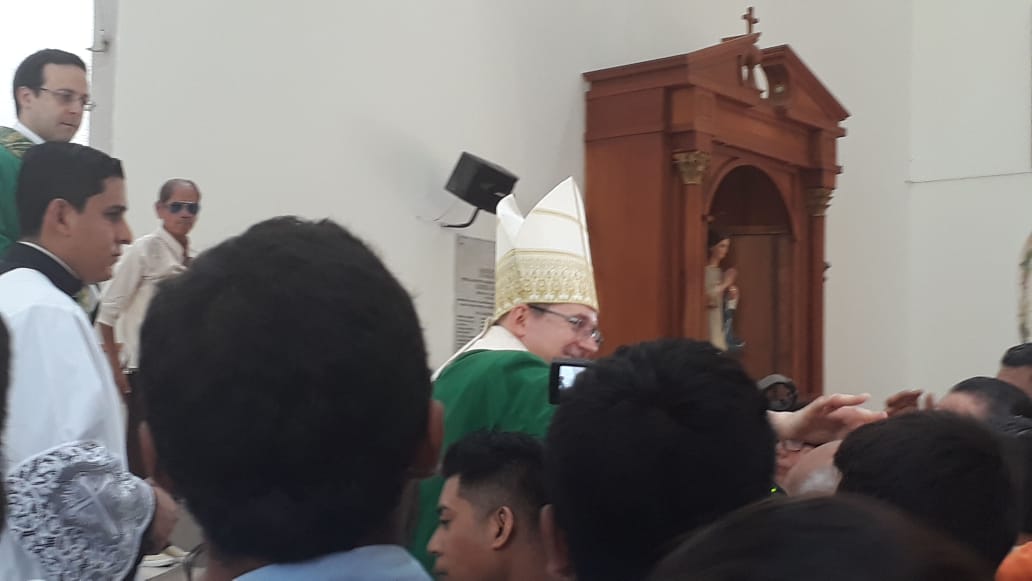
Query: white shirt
[[28, 133], [123, 305], [61, 387]]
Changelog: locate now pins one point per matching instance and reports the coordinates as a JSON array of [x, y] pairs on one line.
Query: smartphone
[[564, 372]]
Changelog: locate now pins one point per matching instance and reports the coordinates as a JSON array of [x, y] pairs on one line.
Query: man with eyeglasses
[[545, 308], [151, 259], [50, 96]]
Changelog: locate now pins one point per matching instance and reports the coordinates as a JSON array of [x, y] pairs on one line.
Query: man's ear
[[428, 455], [557, 553], [517, 319], [23, 95], [149, 456], [504, 522], [59, 217]]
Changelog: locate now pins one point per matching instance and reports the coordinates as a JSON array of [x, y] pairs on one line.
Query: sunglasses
[[177, 207]]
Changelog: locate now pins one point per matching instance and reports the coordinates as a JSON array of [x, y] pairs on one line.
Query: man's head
[[555, 330], [1017, 437], [652, 442], [288, 393], [1016, 367], [492, 496], [816, 539], [179, 202], [51, 93], [71, 200], [985, 397], [943, 469]]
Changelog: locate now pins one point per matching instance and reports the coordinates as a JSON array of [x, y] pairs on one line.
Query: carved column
[[693, 168], [817, 200]]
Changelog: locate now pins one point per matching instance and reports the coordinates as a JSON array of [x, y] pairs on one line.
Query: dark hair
[[499, 468], [30, 72], [1001, 398], [947, 471], [814, 539], [1018, 356], [5, 369], [58, 170], [165, 193], [714, 237], [654, 441], [1017, 435], [287, 390]]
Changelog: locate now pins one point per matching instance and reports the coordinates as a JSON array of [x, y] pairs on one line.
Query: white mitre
[[545, 257]]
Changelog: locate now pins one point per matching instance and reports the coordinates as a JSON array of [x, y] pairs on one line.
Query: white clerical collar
[[51, 255], [28, 133]]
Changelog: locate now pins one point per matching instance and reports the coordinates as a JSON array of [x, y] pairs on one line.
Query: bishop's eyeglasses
[[581, 326]]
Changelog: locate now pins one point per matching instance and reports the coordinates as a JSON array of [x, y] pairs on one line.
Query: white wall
[[971, 206], [358, 110]]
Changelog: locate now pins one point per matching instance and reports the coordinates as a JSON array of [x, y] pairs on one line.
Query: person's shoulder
[[24, 291], [13, 144], [498, 361]]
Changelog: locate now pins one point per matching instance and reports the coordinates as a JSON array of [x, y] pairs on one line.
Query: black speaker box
[[480, 182]]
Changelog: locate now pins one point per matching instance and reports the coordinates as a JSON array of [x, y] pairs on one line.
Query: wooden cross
[[750, 19]]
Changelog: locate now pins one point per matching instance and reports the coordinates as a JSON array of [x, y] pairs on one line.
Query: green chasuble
[[498, 390], [12, 146]]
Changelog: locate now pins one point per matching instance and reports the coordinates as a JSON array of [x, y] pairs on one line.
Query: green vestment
[[12, 146], [482, 389]]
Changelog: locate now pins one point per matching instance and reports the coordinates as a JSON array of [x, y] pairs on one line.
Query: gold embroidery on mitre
[[543, 276]]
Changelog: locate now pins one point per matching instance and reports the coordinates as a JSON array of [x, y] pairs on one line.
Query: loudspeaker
[[480, 182]]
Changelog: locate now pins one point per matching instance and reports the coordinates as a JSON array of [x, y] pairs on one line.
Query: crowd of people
[[276, 387]]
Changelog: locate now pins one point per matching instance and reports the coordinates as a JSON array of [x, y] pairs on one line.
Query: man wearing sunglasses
[[50, 96], [545, 308], [151, 259]]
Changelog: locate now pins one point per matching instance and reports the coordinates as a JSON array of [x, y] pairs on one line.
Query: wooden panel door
[[764, 316]]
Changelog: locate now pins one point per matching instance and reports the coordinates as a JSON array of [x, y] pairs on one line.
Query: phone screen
[[564, 372]]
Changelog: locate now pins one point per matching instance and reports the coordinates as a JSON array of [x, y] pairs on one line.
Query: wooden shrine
[[680, 144]]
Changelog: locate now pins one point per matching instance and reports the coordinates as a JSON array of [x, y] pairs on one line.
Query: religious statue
[[1025, 293], [722, 295]]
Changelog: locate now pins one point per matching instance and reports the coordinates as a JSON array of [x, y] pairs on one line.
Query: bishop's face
[[558, 330]]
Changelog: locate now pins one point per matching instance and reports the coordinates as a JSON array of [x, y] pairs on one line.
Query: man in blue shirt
[[288, 397]]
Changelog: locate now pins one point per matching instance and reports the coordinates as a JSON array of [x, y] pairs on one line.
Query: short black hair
[[1018, 356], [58, 170], [654, 441], [165, 193], [499, 468], [1001, 398], [947, 471], [5, 370], [1017, 435], [843, 537], [30, 72], [287, 390]]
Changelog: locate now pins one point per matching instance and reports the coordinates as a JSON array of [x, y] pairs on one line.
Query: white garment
[[150, 260], [492, 338], [28, 133], [61, 387]]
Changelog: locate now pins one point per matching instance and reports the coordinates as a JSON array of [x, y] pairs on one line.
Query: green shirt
[[496, 390], [12, 146]]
